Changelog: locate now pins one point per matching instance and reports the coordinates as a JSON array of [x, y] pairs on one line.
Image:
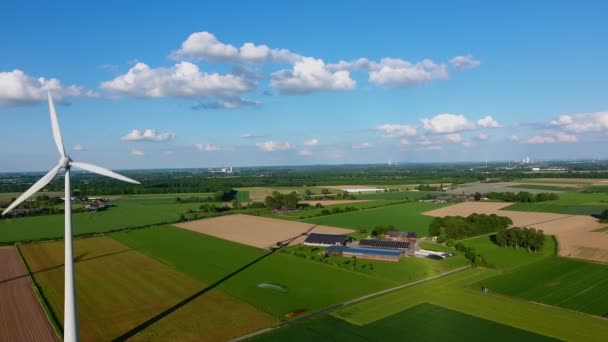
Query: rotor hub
[[64, 162]]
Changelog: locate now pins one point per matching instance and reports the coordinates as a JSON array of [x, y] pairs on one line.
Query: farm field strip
[[22, 317], [454, 292], [405, 216], [122, 293], [575, 233], [256, 231], [509, 258], [210, 259], [571, 284], [423, 322]]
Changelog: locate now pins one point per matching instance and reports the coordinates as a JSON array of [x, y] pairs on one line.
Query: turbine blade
[[103, 172], [55, 125], [41, 183]]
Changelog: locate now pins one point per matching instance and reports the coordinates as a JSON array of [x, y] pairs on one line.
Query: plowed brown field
[[262, 232], [21, 317], [575, 233]]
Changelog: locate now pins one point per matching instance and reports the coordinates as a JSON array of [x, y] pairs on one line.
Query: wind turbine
[[70, 322]]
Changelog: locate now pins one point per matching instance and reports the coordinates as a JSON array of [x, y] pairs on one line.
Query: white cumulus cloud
[[514, 138], [447, 123], [305, 153], [272, 146], [395, 130], [148, 135], [311, 142], [482, 137], [553, 138], [206, 46], [137, 152], [20, 89], [79, 148], [364, 145], [453, 137], [583, 122], [311, 75], [464, 62], [207, 147], [183, 80], [488, 122], [401, 73]]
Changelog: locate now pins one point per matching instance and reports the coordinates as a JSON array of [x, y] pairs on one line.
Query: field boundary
[[366, 209], [42, 300], [349, 302]]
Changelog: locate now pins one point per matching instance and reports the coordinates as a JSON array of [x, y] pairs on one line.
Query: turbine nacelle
[[65, 162]]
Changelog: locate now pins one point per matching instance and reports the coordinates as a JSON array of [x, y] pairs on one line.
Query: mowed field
[[21, 315], [239, 270], [575, 233], [122, 293], [406, 217], [509, 258], [571, 284], [459, 292], [423, 322], [127, 213], [256, 231]]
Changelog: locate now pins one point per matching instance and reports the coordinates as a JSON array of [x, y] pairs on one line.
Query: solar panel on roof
[[384, 243]]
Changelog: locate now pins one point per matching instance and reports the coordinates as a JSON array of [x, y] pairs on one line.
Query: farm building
[[324, 240], [391, 244], [424, 253], [366, 253], [400, 236]]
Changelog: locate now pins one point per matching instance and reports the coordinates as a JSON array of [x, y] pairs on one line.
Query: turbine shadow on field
[[197, 294], [77, 259]]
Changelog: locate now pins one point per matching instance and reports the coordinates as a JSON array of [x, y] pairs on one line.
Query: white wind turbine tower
[[70, 322]]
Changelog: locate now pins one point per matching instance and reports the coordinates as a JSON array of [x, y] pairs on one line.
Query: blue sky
[[271, 83]]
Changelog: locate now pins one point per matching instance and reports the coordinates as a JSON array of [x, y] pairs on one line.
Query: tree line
[[522, 196], [529, 238], [458, 227]]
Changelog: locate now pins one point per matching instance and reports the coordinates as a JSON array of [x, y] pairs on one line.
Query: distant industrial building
[[324, 240], [366, 253]]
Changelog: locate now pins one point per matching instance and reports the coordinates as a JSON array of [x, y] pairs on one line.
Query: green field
[[239, 269], [406, 217], [127, 213], [509, 258], [406, 270], [569, 202], [119, 289], [423, 322], [399, 195], [456, 293], [541, 187], [571, 284], [594, 189], [305, 213]]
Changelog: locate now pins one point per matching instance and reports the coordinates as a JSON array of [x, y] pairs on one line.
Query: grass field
[[454, 292], [240, 269], [406, 270], [423, 322], [406, 217], [127, 213], [400, 195], [569, 202], [305, 213], [541, 187], [119, 289], [571, 284], [509, 258], [594, 189]]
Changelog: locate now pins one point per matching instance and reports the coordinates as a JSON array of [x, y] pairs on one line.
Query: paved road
[[352, 301]]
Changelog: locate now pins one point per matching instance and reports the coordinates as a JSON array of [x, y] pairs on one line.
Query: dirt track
[[21, 317], [574, 232], [261, 232]]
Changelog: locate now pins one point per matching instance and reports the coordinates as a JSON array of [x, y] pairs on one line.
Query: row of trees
[[522, 196], [458, 227], [281, 201], [529, 238], [604, 216]]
